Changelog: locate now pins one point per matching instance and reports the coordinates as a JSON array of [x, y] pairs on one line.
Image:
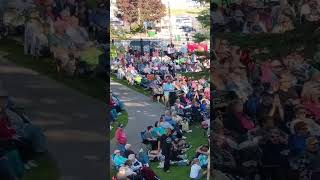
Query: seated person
[[78, 35], [23, 145], [149, 138], [117, 159], [297, 141], [168, 118], [196, 171], [164, 124], [203, 105], [125, 172], [61, 46], [158, 131], [176, 118], [274, 152], [136, 165], [313, 155], [127, 151]]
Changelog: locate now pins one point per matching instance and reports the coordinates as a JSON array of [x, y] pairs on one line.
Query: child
[[195, 172]]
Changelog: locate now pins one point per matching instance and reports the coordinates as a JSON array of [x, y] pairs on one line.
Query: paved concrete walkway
[[142, 112], [73, 123]]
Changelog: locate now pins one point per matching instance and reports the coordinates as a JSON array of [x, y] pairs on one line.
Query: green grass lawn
[[122, 119], [47, 170], [134, 87], [196, 138]]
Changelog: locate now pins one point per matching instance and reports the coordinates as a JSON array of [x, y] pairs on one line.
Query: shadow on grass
[[134, 87], [47, 169]]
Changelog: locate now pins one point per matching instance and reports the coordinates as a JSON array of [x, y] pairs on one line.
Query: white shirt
[[195, 170]]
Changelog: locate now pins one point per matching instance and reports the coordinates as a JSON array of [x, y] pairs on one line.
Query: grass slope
[[196, 139], [47, 170], [122, 119]]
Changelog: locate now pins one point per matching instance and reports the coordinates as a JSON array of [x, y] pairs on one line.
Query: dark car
[[136, 44], [188, 29]]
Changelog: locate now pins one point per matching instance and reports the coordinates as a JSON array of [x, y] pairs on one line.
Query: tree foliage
[[139, 11], [152, 10], [127, 9], [200, 37], [204, 19]]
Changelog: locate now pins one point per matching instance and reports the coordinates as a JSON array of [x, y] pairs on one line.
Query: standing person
[[167, 88], [121, 138], [165, 144], [29, 34]]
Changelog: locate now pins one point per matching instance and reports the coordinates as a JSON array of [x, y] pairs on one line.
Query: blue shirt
[[297, 144], [167, 88], [203, 107], [159, 130]]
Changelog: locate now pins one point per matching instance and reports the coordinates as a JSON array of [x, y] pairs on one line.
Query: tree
[[204, 19], [127, 10], [139, 11], [151, 10]]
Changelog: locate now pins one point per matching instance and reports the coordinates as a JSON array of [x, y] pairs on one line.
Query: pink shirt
[[314, 108], [121, 137]]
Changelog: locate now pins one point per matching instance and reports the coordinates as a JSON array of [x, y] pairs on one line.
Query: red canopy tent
[[197, 47]]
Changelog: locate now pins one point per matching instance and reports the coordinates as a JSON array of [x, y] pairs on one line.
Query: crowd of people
[[164, 143], [255, 16], [187, 103], [160, 74], [266, 115], [21, 142], [65, 29]]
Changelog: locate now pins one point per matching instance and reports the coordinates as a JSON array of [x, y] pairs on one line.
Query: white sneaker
[[32, 163], [27, 167], [189, 131], [183, 137]]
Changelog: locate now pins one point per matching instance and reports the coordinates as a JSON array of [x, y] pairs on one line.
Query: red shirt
[[111, 103], [121, 137]]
